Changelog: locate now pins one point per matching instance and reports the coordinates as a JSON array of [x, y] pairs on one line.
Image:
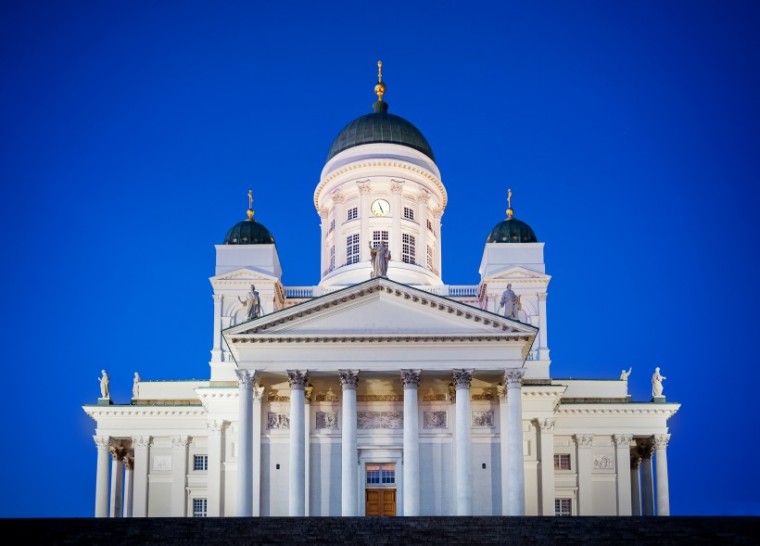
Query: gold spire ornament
[[380, 86], [250, 205], [510, 212]]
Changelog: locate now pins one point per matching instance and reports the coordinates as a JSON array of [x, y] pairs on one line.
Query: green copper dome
[[380, 127], [512, 230], [248, 232]]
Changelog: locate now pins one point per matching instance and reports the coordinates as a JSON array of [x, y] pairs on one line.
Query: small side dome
[[511, 230], [249, 231]]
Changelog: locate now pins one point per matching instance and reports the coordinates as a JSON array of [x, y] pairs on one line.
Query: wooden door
[[380, 502]]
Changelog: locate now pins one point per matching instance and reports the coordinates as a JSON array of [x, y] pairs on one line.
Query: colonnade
[[645, 492], [350, 490]]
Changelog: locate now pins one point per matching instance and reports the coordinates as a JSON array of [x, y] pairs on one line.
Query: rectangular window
[[408, 213], [352, 249], [563, 507], [200, 508], [332, 226], [381, 474], [200, 462], [407, 248], [353, 214], [332, 259], [430, 225], [562, 461], [379, 237], [430, 258]]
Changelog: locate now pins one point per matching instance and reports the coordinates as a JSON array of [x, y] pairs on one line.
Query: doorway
[[380, 492]]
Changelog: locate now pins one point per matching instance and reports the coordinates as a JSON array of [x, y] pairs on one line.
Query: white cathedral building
[[381, 391]]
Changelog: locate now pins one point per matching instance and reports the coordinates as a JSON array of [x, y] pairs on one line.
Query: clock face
[[380, 207]]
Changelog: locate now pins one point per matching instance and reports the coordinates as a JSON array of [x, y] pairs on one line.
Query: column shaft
[[349, 491], [117, 481], [661, 462], [462, 379], [623, 470], [411, 381], [258, 398], [503, 447], [297, 474], [245, 444], [142, 459], [129, 487], [101, 478], [647, 484], [516, 469]]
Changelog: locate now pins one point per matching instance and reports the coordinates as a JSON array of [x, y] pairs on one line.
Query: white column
[[397, 212], [216, 351], [547, 466], [584, 442], [462, 380], [129, 487], [623, 470], [258, 398], [117, 480], [349, 501], [179, 475], [543, 336], [141, 444], [101, 477], [245, 443], [215, 428], [647, 480], [411, 381], [297, 476], [661, 462], [635, 485], [516, 498], [503, 451], [325, 229], [307, 446]]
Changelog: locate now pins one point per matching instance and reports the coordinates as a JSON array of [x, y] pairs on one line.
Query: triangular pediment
[[384, 308], [244, 274], [517, 273]]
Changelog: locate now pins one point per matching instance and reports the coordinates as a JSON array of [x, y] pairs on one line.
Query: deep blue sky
[[130, 133]]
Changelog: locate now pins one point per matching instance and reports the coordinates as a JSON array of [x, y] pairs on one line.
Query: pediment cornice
[[493, 326]]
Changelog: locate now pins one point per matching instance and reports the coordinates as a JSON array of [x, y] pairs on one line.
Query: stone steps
[[543, 531]]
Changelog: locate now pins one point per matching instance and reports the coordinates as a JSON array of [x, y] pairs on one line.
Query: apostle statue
[[104, 381], [657, 380], [136, 385], [253, 302], [510, 301], [624, 374], [380, 256]]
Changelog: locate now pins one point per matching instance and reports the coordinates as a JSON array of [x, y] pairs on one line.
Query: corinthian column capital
[[660, 441], [411, 378], [513, 377], [462, 378], [348, 379], [297, 379]]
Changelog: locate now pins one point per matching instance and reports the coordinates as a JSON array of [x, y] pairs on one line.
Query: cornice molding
[[145, 411], [377, 163], [627, 409]]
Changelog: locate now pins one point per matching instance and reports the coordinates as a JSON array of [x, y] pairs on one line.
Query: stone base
[[658, 400], [104, 402]]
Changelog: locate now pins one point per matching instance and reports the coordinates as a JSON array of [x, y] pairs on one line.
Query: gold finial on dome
[[250, 205], [510, 212], [380, 86]]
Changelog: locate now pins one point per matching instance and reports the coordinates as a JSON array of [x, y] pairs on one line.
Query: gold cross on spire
[[510, 212], [250, 204], [380, 86]]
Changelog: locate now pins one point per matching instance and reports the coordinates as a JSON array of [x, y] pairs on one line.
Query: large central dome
[[380, 127]]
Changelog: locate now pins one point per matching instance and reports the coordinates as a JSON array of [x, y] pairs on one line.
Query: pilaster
[[584, 443], [623, 471], [179, 475], [141, 446], [546, 427]]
